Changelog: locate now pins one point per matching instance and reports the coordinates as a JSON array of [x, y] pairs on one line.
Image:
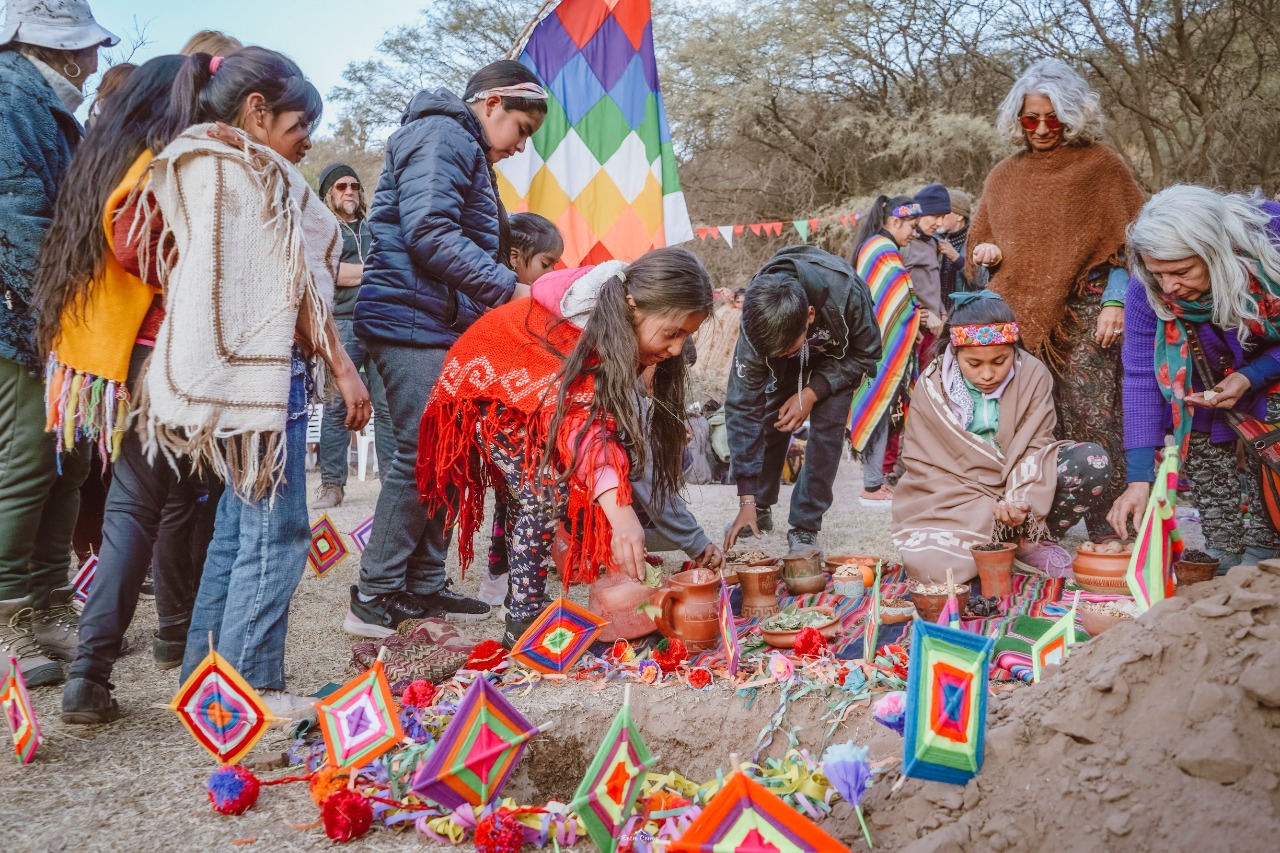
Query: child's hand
[[627, 543], [793, 413], [710, 558]]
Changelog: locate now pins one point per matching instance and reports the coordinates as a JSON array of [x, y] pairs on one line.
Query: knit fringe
[[80, 406], [453, 476]]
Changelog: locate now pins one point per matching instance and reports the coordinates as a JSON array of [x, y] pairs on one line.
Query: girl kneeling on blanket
[[538, 399], [982, 464]]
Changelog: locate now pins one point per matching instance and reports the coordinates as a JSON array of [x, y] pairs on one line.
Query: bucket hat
[[55, 24]]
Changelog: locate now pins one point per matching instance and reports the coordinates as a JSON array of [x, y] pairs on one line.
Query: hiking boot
[[328, 496], [288, 708], [764, 521], [16, 640], [379, 617], [1044, 558], [57, 628], [168, 654], [493, 589], [87, 703], [515, 630], [799, 538], [881, 498], [148, 591], [455, 606]]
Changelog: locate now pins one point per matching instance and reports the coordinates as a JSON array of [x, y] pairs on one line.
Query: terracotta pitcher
[[690, 609], [759, 585]]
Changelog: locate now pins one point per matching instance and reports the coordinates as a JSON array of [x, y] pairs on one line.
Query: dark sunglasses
[[344, 187], [1031, 123]]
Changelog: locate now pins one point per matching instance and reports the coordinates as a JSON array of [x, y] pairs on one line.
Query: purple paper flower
[[890, 709], [846, 767]]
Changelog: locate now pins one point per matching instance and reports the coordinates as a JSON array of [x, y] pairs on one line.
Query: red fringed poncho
[[504, 358]]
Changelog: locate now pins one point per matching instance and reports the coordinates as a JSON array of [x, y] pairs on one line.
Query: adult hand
[[746, 518], [1131, 504], [1110, 326], [710, 558], [1224, 395], [627, 543], [1011, 514], [793, 412], [948, 251], [354, 395], [521, 291], [931, 321], [223, 132], [986, 254]]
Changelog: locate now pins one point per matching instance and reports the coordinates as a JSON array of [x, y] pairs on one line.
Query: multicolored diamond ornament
[[557, 638]]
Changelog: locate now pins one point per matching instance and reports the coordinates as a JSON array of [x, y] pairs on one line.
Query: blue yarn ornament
[[233, 790]]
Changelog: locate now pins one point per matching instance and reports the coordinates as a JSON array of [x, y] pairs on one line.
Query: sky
[[322, 36]]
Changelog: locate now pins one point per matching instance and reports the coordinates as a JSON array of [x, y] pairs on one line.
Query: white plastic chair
[[364, 444]]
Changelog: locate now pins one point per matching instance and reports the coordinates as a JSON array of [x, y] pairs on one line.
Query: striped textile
[[897, 313]]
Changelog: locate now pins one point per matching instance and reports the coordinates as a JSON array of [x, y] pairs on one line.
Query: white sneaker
[[881, 498], [493, 589], [287, 707]]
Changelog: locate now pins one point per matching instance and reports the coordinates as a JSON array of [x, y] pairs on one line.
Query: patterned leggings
[[1084, 470], [529, 519]]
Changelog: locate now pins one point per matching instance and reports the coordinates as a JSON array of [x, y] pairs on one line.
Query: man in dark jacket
[[432, 272], [809, 337]]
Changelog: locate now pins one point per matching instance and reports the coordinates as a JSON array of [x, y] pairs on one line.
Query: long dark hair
[[533, 235], [200, 95], [74, 251], [495, 75], [873, 222], [981, 308], [663, 281]]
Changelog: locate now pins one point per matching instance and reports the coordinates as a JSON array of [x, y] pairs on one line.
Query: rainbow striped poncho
[[898, 314]]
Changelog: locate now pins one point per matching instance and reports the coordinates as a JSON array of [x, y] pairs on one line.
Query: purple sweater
[[1147, 416]]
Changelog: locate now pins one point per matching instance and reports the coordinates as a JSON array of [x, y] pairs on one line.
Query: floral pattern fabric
[[991, 335]]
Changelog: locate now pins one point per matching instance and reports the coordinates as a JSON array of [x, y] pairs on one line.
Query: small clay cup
[[929, 607], [995, 570], [759, 590], [804, 572], [1186, 572]]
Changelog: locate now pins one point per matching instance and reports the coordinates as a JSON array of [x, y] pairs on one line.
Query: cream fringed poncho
[[255, 264]]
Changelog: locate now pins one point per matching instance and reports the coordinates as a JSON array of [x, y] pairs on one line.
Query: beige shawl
[[945, 502], [256, 261]]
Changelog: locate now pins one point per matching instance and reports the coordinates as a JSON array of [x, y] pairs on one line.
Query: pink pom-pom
[[419, 694], [347, 815], [233, 790]]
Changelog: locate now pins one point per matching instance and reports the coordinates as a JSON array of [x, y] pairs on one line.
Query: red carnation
[[489, 655], [699, 678], [419, 694], [669, 654], [809, 643]]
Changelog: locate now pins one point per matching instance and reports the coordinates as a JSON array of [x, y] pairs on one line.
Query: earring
[[66, 69]]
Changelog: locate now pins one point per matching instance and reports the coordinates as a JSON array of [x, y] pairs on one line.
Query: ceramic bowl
[[786, 639]]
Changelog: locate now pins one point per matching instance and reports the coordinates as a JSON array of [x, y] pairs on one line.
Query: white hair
[[1077, 106], [1229, 232]]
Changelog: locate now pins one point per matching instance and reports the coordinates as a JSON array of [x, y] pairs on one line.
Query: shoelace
[[19, 641], [65, 615]]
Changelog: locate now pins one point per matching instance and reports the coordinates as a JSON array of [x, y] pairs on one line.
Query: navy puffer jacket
[[433, 269]]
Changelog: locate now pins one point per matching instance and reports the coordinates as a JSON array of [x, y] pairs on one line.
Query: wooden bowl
[[1101, 572], [787, 639]]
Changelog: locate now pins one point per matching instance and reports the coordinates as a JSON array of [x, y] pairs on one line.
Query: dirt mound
[[1160, 734]]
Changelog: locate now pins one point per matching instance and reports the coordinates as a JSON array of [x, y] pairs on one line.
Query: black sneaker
[[381, 616], [455, 606], [798, 538], [168, 653], [515, 630], [86, 703]]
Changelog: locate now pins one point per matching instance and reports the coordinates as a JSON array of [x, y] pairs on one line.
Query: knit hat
[[961, 203], [55, 24], [331, 174], [934, 200]]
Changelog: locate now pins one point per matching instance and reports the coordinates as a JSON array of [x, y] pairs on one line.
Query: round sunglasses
[[1031, 123]]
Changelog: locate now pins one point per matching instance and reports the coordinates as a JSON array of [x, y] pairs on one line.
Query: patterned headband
[[906, 211], [991, 335], [532, 91]]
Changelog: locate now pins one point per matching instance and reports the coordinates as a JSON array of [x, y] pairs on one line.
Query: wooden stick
[[735, 762], [210, 642], [626, 695], [514, 52], [548, 727], [382, 654]]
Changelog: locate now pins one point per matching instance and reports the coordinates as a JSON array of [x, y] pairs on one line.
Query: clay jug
[[690, 609], [759, 584], [617, 597]]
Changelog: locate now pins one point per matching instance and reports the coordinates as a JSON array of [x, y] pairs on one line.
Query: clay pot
[[995, 570], [617, 597], [862, 561], [1187, 573], [759, 590], [690, 609], [1101, 572], [1095, 623], [804, 572], [929, 607]]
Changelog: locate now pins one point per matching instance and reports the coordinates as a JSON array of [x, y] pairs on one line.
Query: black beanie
[[934, 200], [332, 173]]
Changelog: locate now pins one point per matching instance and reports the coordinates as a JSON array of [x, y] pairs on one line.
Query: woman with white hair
[[1051, 228], [1206, 271]]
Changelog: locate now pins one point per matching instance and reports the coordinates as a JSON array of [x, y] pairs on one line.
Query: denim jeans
[[149, 505], [335, 441], [38, 505], [407, 548], [256, 559], [873, 455]]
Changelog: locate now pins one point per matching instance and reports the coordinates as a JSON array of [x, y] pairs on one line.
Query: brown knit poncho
[[1056, 216]]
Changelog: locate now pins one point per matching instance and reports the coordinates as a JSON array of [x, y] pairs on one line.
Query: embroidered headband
[[990, 335], [531, 91], [906, 211], [214, 64]]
